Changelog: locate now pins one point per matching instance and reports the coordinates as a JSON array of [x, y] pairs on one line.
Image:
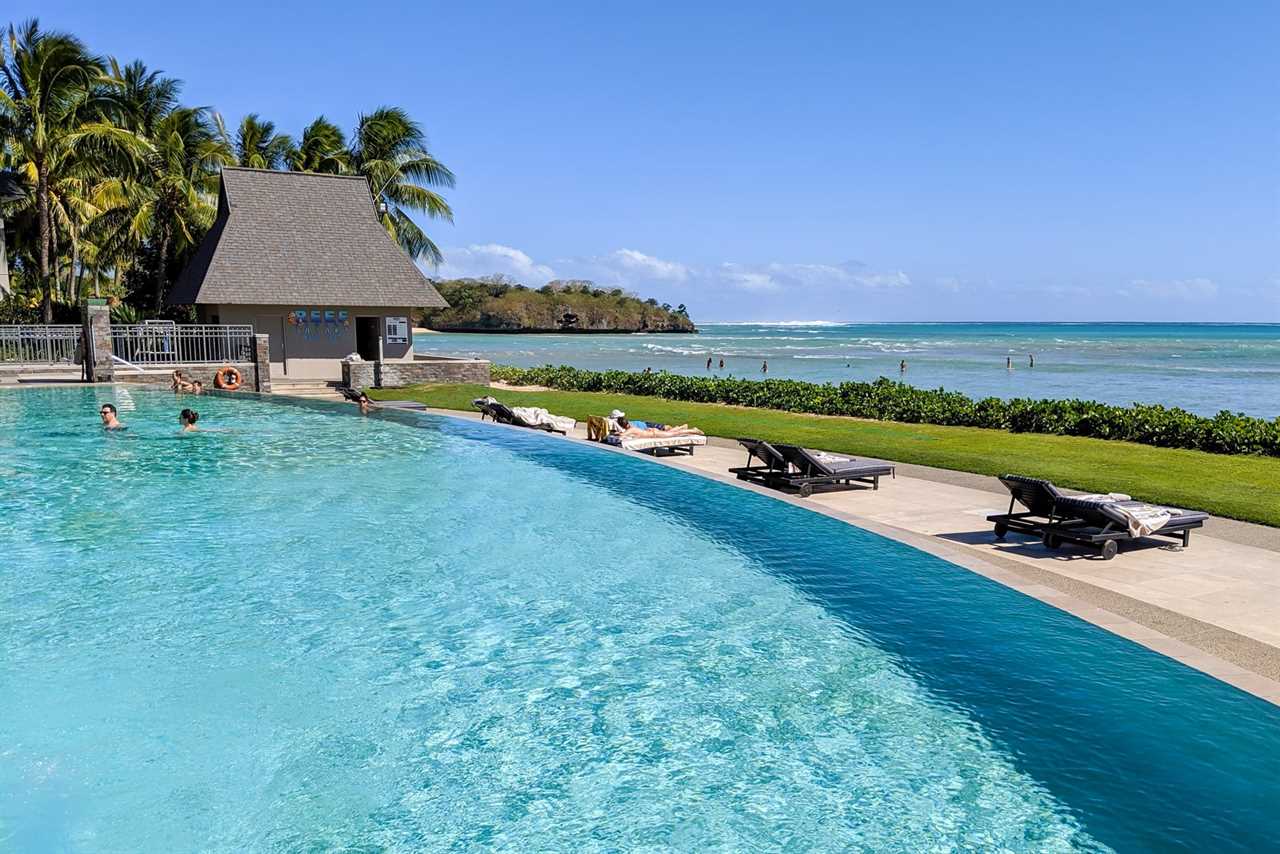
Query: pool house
[[303, 259]]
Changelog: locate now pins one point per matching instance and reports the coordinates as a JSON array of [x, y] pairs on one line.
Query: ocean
[[1201, 367]]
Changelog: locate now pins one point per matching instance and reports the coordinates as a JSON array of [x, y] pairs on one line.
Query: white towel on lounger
[[538, 415], [1142, 519]]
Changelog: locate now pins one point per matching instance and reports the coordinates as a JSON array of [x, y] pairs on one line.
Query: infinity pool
[[305, 630]]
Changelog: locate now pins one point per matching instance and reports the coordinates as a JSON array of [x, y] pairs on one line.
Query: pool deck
[[1214, 606]]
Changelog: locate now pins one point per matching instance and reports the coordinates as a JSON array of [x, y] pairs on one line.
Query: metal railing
[[41, 344], [165, 343]]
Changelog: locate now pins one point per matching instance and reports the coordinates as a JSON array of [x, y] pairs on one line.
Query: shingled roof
[[11, 187], [284, 238]]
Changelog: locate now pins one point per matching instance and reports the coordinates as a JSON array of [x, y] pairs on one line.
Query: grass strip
[[1238, 487]]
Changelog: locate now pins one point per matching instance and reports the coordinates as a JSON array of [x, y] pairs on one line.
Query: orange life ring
[[227, 378]]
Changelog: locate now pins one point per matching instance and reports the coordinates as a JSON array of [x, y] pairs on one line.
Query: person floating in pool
[[764, 366], [188, 418], [109, 419]]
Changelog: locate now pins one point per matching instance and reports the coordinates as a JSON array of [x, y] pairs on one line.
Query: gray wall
[[360, 375], [204, 373], [315, 355]]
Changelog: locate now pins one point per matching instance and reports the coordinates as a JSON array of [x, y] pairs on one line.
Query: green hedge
[[885, 400]]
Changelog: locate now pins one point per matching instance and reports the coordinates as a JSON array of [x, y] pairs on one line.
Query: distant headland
[[497, 304]]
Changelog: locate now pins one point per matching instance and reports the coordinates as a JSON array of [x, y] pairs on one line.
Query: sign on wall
[[397, 330]]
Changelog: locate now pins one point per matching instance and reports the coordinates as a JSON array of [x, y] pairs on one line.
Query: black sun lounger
[[1058, 518], [502, 414], [801, 469], [1038, 496], [1103, 524], [772, 464]]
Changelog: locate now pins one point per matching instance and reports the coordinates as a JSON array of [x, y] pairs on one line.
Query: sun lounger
[[503, 414], [801, 469], [660, 446], [1038, 496], [1105, 524], [770, 466], [1093, 521], [605, 429]]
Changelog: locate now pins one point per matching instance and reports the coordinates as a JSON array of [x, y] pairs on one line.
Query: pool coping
[[1242, 662]]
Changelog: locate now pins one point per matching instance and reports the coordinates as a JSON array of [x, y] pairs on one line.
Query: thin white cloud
[[747, 279], [487, 259], [1182, 289], [657, 268], [780, 276], [641, 272]]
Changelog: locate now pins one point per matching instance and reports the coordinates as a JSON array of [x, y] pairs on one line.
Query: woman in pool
[[181, 383], [188, 418]]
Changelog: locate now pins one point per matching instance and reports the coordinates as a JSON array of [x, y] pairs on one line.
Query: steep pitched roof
[[11, 186], [298, 237]]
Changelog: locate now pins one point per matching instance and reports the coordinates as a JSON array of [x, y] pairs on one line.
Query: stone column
[[262, 361], [97, 342]]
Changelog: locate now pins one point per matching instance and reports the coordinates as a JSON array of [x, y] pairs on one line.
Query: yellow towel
[[597, 428]]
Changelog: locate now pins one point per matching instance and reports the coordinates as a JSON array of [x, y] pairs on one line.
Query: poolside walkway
[[1214, 606]]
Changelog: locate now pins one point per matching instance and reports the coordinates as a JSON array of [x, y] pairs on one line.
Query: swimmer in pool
[[188, 418], [109, 420]]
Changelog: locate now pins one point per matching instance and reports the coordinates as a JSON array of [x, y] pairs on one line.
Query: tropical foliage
[[500, 304], [119, 178], [886, 400]]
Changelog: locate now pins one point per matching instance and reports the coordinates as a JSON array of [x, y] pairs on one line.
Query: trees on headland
[[120, 179], [497, 303]]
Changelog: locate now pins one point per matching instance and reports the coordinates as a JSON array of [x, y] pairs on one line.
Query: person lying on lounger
[[655, 431]]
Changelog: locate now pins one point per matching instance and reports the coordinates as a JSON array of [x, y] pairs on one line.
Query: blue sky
[[948, 161]]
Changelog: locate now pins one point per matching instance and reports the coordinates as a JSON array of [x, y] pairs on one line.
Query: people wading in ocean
[[722, 364], [708, 363], [1032, 357], [1008, 363], [902, 366], [764, 366]]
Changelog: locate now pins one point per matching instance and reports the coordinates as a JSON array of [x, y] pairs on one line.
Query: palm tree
[[172, 200], [390, 150], [48, 101], [258, 146], [145, 97], [321, 149]]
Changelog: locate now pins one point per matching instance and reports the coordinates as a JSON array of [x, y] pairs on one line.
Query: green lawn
[[1238, 487]]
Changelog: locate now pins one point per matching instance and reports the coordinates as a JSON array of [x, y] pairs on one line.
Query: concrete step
[[311, 393], [307, 388], [291, 384]]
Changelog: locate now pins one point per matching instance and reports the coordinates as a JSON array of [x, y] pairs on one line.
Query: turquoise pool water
[[312, 631]]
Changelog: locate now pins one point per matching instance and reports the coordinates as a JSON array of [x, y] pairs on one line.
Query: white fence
[[163, 343], [41, 344]]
